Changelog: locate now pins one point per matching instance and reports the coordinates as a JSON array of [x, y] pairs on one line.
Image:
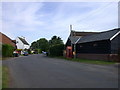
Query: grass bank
[[6, 58], [86, 60], [5, 77]]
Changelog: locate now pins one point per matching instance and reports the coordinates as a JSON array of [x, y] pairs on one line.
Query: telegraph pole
[[74, 48]]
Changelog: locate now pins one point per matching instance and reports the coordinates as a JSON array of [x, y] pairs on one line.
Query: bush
[[56, 50], [29, 51], [7, 50], [19, 50], [0, 49]]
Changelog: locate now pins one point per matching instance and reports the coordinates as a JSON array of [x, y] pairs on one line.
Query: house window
[[94, 44]]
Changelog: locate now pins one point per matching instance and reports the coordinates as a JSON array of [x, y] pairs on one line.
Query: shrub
[[0, 49], [29, 51], [56, 50], [7, 50], [19, 50]]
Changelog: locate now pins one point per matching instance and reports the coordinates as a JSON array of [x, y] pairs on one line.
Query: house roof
[[99, 36], [23, 40]]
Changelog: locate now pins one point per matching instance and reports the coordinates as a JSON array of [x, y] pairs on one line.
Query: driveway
[[39, 71]]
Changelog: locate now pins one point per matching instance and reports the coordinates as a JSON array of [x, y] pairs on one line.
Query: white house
[[21, 43]]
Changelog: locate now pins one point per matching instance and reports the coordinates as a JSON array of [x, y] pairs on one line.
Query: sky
[[35, 20]]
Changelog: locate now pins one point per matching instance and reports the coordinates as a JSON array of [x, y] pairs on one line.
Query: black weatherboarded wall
[[96, 47], [115, 45]]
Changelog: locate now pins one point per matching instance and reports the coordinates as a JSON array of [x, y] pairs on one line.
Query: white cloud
[[22, 14], [33, 20]]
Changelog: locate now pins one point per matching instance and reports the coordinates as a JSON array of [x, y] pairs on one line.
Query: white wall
[[26, 46], [20, 44]]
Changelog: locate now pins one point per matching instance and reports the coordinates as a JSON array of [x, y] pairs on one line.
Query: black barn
[[101, 44], [107, 42]]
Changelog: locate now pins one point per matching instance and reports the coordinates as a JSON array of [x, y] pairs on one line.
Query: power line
[[94, 13]]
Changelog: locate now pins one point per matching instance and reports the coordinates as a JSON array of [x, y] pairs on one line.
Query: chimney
[[71, 31], [70, 27], [22, 37]]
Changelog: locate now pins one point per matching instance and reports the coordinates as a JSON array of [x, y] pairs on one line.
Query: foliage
[[29, 51], [5, 77], [7, 50], [41, 44], [39, 50], [88, 61], [56, 50], [55, 44], [0, 49], [55, 40], [18, 49], [34, 45]]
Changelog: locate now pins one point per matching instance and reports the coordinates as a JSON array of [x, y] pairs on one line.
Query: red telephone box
[[69, 52]]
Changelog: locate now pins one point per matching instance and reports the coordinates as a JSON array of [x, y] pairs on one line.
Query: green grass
[[6, 58], [5, 77], [86, 60]]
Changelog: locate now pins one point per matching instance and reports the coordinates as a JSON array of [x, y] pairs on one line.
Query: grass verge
[[86, 60], [6, 58], [5, 77]]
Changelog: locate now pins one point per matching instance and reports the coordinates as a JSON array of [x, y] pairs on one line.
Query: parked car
[[25, 53], [15, 53], [45, 53]]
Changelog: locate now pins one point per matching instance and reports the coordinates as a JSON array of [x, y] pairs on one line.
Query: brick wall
[[6, 40], [105, 57]]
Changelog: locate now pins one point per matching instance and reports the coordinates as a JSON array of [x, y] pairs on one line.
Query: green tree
[[55, 40], [56, 50], [41, 44], [34, 45], [7, 50]]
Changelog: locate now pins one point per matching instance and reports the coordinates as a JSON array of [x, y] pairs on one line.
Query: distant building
[[6, 40], [99, 46], [21, 43]]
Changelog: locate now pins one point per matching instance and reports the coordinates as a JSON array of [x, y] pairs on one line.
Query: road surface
[[39, 71]]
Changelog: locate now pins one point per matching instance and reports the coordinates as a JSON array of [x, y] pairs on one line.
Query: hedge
[[7, 50], [0, 49], [56, 50]]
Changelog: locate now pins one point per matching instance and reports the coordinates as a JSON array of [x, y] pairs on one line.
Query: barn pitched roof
[[75, 36], [23, 40], [73, 39], [77, 33], [99, 36]]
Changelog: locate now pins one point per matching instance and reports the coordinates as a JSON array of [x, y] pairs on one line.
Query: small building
[[99, 46], [72, 40], [21, 43]]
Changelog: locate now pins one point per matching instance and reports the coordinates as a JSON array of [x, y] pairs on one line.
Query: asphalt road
[[39, 71]]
